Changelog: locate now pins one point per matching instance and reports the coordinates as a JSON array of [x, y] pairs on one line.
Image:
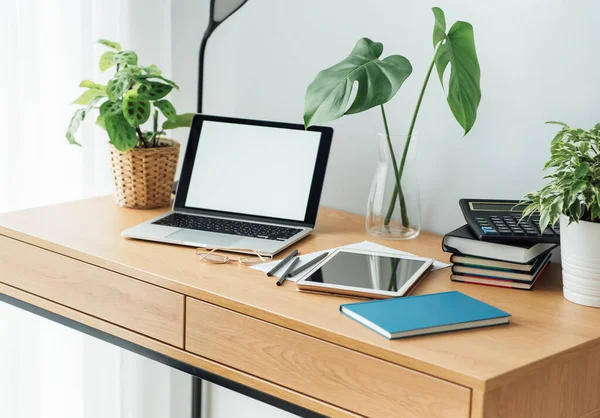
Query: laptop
[[246, 186]]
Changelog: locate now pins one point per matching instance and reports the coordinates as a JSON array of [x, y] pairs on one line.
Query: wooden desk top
[[543, 323]]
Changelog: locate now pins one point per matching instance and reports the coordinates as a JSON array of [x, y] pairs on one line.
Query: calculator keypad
[[499, 220], [508, 225]]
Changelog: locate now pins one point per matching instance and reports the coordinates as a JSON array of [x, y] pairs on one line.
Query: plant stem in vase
[[398, 190], [406, 222]]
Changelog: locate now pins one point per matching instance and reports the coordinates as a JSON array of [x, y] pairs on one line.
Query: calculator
[[500, 221]]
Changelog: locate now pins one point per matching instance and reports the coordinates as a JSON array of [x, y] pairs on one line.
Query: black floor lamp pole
[[201, 68], [213, 24]]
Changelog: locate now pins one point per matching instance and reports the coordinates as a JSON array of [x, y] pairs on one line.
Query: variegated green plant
[[574, 186], [128, 100]]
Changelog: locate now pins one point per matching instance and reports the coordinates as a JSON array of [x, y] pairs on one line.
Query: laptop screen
[[264, 171]]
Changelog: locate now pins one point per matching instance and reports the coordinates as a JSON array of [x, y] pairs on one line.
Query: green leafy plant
[[328, 96], [574, 186], [128, 100]]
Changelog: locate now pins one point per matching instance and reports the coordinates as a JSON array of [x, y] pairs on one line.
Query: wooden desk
[[231, 321]]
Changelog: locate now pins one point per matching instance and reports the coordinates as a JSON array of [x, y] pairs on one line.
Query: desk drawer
[[130, 303], [342, 377]]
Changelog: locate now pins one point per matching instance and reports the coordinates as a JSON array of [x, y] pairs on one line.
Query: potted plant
[[572, 196], [393, 208], [143, 161]]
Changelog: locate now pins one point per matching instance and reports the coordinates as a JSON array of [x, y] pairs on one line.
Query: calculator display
[[496, 207]]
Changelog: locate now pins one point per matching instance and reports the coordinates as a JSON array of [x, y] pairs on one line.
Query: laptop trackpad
[[209, 239]]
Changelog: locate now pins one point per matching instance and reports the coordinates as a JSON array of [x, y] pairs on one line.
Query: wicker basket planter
[[144, 177]]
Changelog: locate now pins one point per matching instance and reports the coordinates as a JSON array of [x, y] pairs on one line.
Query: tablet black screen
[[366, 271]]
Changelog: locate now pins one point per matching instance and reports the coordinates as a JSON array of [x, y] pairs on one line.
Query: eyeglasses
[[213, 255]]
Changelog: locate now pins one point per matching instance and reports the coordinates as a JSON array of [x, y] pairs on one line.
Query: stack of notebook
[[516, 266]]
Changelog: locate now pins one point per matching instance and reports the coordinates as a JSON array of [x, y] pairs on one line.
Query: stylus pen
[[284, 275], [282, 263], [309, 264]]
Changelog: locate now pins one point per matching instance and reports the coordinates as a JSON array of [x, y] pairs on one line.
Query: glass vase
[[395, 212]]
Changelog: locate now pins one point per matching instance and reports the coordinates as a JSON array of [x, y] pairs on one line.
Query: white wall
[[537, 59]]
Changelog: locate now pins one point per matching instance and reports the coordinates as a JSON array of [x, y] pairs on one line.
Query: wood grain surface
[[544, 326], [325, 371], [567, 386], [131, 303], [181, 355]]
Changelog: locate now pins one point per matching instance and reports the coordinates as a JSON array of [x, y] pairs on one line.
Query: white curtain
[[48, 46]]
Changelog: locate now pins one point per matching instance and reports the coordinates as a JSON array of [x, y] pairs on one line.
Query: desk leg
[[196, 397]]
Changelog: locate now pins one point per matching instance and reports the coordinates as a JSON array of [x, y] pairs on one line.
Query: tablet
[[370, 274]]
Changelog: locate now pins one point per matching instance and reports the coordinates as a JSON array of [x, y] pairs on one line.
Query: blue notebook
[[424, 314]]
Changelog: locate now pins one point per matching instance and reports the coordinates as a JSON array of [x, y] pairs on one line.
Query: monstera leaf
[[457, 48], [378, 80]]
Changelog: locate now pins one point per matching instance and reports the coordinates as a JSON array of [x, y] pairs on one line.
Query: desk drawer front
[[342, 377], [115, 298]]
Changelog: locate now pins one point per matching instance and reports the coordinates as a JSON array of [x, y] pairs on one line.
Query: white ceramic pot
[[580, 253]]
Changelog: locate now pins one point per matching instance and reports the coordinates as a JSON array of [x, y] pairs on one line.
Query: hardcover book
[[463, 241]]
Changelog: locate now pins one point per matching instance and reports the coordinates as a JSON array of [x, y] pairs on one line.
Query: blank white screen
[[254, 170]]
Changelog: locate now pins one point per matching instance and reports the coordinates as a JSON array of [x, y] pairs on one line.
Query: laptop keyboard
[[227, 226]]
